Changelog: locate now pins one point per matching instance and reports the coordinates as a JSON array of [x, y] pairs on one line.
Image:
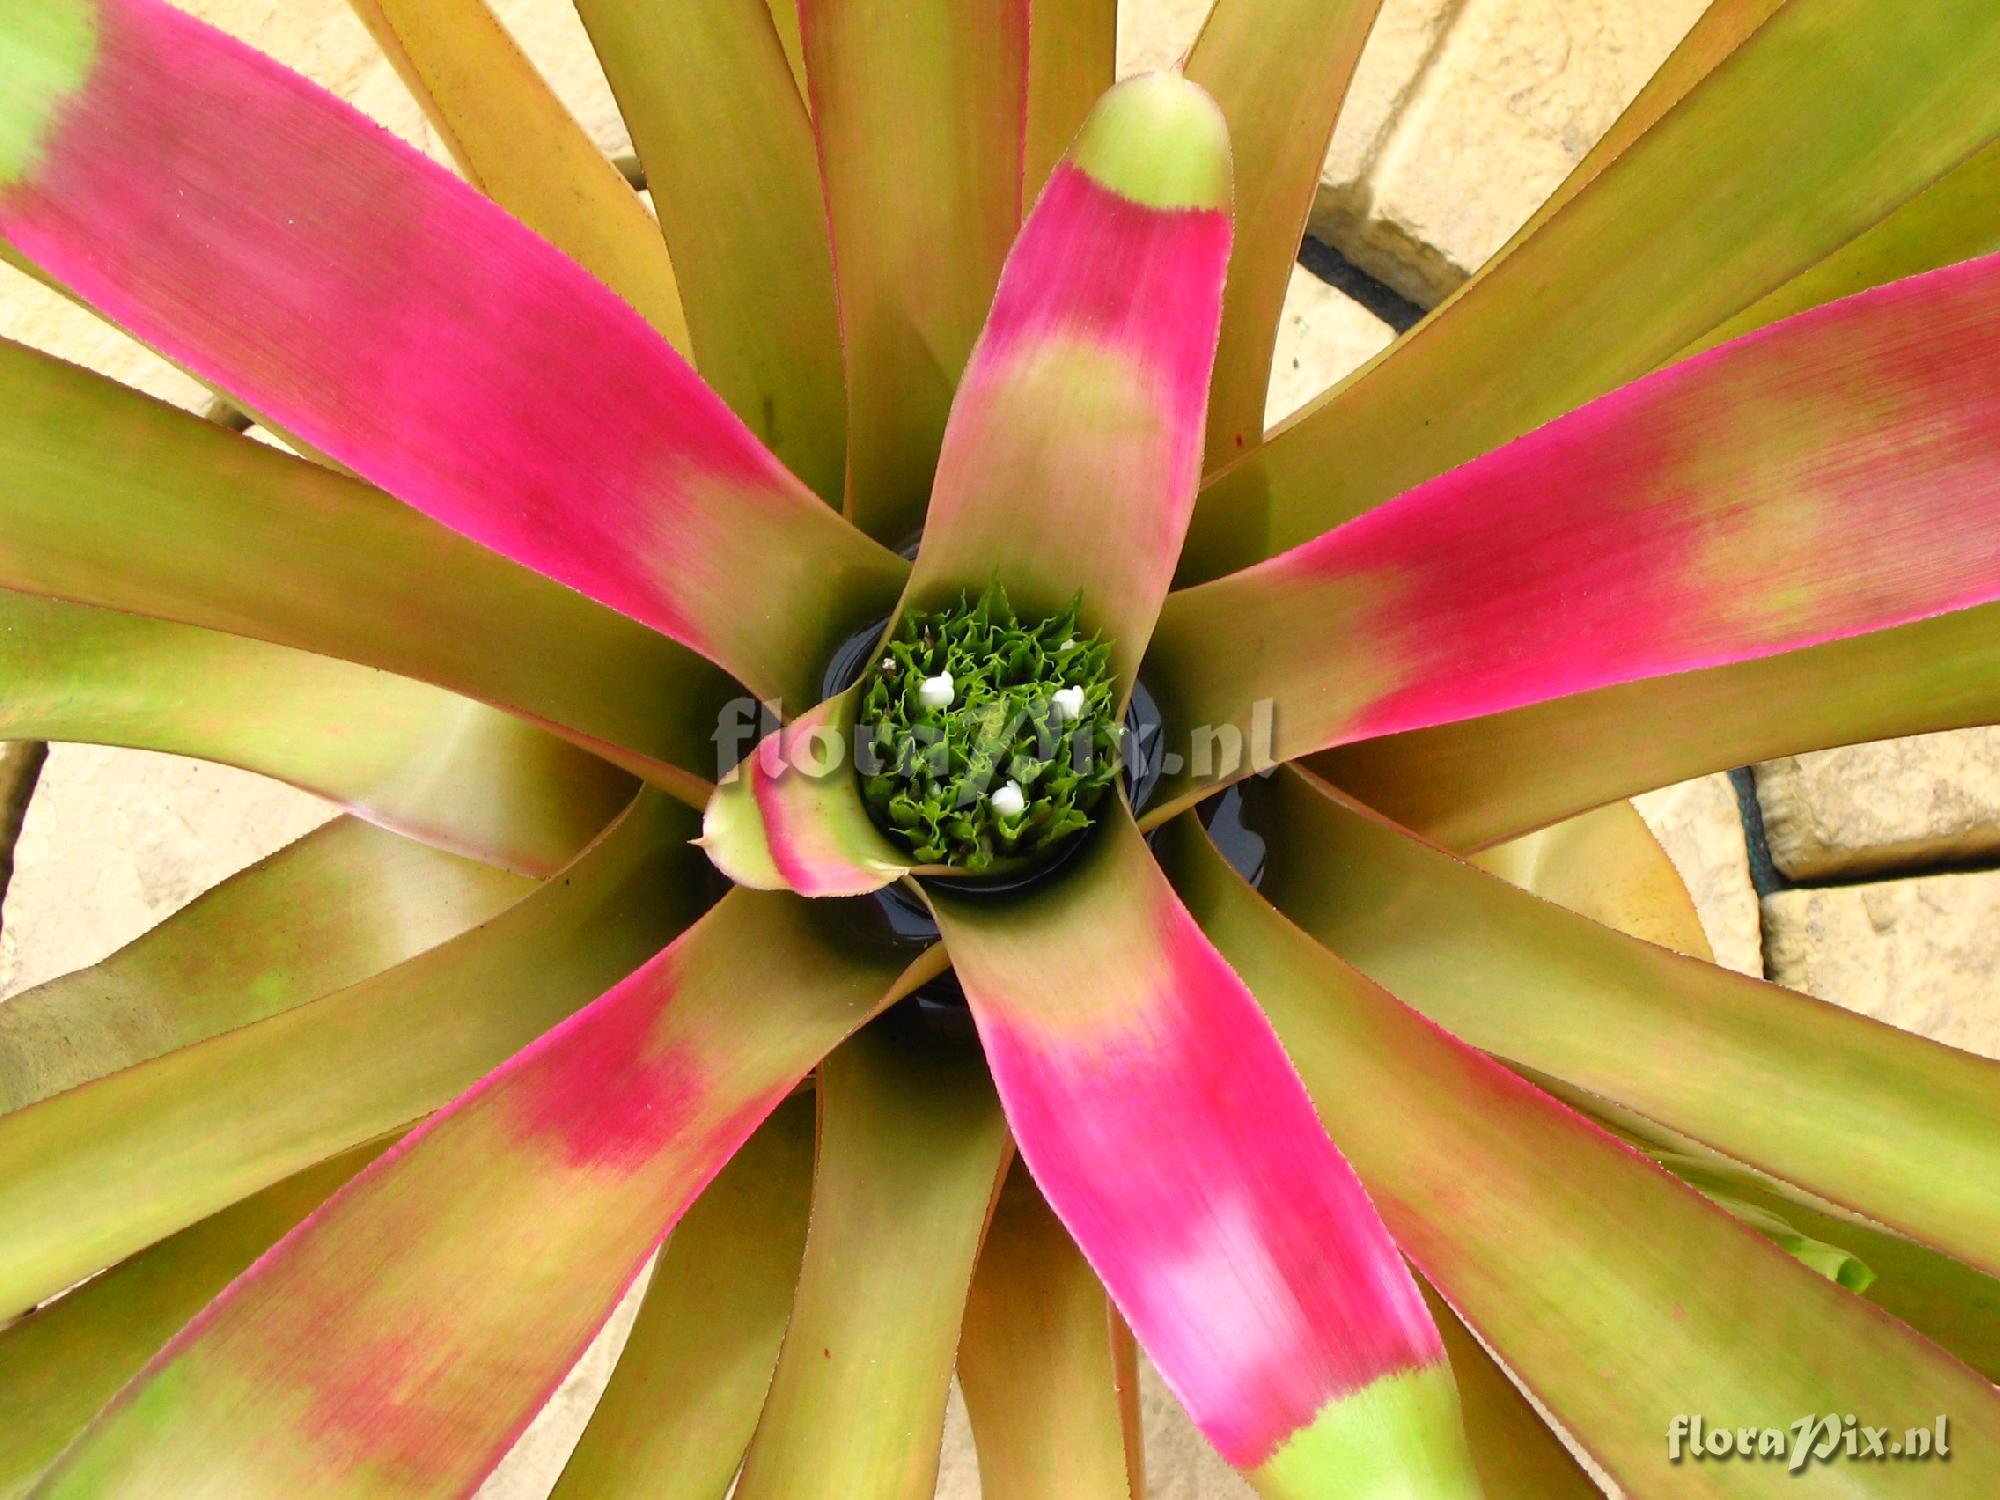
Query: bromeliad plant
[[1313, 1099]]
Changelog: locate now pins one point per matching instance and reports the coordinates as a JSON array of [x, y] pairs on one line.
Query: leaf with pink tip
[[400, 1339], [1165, 1126], [919, 111], [1476, 782], [109, 498], [1046, 1364], [789, 817], [1834, 475], [517, 143], [719, 124], [1825, 118], [684, 1397], [423, 762], [67, 1359], [1621, 1298], [94, 1174], [343, 903], [911, 1149], [397, 321], [1075, 440], [1279, 70], [1878, 1120]]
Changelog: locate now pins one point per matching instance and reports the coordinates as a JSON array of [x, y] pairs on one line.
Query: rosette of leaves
[[317, 1191], [939, 765]]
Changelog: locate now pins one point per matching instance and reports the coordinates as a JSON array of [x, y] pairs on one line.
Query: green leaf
[[1621, 1298], [401, 1338], [66, 1360], [1072, 58], [918, 112], [518, 144], [109, 498], [911, 1149], [1828, 117], [411, 757], [1279, 69], [1474, 783], [684, 1398], [1046, 1364], [1881, 1121], [717, 118], [343, 903], [97, 1173]]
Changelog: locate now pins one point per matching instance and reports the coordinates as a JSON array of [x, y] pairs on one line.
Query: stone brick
[[1922, 954], [1897, 804], [1699, 825], [1322, 335]]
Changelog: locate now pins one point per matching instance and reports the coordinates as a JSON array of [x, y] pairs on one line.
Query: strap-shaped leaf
[[1884, 1122], [518, 144], [109, 498], [1568, 1252], [396, 320], [399, 1340], [718, 120], [919, 113], [1279, 71], [1072, 58], [684, 1398], [411, 757], [1045, 1364], [911, 1148], [1479, 781], [1836, 474], [1166, 1128], [66, 1360], [345, 902], [1075, 442], [1830, 115], [97, 1173]]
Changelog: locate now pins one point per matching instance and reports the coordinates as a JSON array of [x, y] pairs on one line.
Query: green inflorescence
[[930, 774]]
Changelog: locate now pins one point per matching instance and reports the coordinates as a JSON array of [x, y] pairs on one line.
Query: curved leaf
[[1879, 1120], [684, 1398], [717, 119], [1621, 1298], [1072, 58], [399, 1340], [1166, 1128], [1042, 1364], [66, 1360], [1830, 115], [1279, 69], [919, 112], [397, 321], [94, 1174], [107, 497], [1473, 783], [1075, 441], [518, 144], [421, 761], [911, 1148], [1833, 475], [345, 902]]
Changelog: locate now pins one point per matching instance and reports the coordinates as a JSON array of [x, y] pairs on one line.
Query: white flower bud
[[1067, 644], [1067, 704], [935, 692], [1010, 801]]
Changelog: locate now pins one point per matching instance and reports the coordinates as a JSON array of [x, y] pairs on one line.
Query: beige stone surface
[[1700, 826], [1899, 804], [1473, 111], [1921, 953], [1322, 335]]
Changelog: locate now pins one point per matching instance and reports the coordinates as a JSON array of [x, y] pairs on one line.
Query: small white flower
[[1010, 801], [1067, 644], [1067, 704], [935, 692]]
